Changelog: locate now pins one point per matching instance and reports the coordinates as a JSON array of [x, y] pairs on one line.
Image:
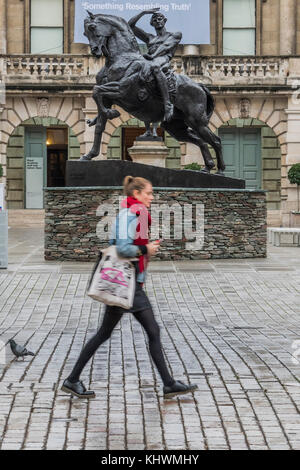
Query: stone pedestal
[[149, 153]]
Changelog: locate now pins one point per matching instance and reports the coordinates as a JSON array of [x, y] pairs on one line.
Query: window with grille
[[239, 27], [47, 27]]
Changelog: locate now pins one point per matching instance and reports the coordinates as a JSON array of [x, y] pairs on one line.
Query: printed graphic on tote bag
[[113, 279], [113, 275]]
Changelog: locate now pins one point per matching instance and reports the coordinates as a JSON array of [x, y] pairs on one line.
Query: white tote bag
[[113, 279]]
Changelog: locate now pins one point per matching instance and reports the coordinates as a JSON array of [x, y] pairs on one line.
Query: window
[[47, 31], [239, 27]]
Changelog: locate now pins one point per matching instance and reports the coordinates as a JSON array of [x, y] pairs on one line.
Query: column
[[288, 14], [3, 42]]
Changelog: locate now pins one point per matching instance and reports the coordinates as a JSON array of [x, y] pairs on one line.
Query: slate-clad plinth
[[230, 221], [112, 173]]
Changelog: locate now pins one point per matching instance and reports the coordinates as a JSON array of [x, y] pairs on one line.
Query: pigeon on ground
[[19, 351]]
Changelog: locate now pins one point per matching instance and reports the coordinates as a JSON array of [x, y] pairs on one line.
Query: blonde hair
[[132, 183]]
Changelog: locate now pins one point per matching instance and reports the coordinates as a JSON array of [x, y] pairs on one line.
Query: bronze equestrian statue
[[145, 87]]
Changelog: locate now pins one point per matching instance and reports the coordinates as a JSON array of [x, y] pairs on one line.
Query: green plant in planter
[[193, 166], [294, 177], [1, 170]]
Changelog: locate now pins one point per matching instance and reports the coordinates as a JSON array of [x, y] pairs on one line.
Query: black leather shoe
[[77, 389], [178, 388]]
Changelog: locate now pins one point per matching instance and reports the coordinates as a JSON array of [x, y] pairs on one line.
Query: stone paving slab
[[229, 327]]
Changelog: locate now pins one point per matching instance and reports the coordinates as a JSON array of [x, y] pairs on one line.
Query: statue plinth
[[112, 173], [149, 153]]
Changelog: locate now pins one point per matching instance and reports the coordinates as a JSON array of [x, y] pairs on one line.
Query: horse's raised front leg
[[99, 95], [100, 123], [100, 126], [119, 89]]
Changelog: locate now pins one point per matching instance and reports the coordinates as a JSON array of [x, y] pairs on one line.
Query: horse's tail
[[210, 101]]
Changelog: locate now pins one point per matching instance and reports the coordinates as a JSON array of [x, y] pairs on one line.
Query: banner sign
[[192, 18]]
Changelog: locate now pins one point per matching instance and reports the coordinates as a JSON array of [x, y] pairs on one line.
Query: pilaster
[[287, 27], [3, 40]]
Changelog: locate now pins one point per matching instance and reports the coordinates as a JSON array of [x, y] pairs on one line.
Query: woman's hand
[[153, 248]]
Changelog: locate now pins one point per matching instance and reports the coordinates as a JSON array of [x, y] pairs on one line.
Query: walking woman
[[130, 235]]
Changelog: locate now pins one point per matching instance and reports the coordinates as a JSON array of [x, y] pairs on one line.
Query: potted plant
[[1, 172], [294, 177]]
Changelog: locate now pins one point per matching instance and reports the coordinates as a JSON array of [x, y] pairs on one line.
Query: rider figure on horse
[[161, 49]]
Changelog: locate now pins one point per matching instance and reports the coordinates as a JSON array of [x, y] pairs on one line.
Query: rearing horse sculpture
[[122, 82]]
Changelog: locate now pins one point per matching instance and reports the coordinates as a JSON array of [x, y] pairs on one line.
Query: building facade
[[252, 67]]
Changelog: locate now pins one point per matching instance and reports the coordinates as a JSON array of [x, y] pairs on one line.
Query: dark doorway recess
[[129, 134], [57, 156]]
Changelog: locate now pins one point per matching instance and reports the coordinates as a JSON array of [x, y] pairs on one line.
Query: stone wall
[[234, 222]]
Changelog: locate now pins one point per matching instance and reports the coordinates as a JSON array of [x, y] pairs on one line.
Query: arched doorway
[[37, 152], [252, 152]]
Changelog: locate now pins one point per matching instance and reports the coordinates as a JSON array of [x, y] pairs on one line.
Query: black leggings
[[110, 320]]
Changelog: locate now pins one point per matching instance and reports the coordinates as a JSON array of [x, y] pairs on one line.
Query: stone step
[[26, 218]]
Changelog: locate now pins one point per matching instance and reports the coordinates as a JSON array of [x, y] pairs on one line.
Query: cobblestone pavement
[[228, 326]]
